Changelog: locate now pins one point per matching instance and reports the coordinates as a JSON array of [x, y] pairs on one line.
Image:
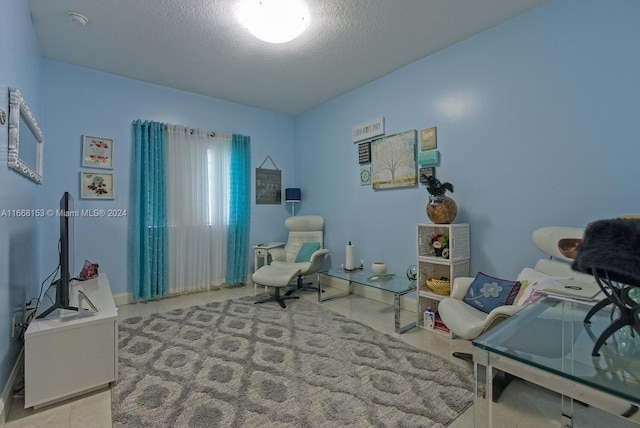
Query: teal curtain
[[149, 235], [239, 210]]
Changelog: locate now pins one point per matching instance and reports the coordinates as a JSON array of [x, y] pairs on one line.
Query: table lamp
[[294, 196]]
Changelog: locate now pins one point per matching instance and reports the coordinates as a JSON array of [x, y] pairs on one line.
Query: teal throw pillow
[[487, 293], [308, 248]]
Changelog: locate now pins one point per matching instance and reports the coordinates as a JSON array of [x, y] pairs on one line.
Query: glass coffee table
[[398, 285], [548, 343]]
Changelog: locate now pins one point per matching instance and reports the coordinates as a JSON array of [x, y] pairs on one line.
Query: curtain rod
[[192, 130], [188, 130]]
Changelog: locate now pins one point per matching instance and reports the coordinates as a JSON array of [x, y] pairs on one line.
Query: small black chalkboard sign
[[364, 152]]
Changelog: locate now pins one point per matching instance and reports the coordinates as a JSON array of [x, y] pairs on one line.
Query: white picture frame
[[97, 152], [26, 141], [96, 185], [368, 130]]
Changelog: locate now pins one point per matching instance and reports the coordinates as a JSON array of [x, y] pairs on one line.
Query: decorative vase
[[442, 209], [438, 251]]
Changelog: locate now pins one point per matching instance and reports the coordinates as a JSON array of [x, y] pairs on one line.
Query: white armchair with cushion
[[303, 248], [466, 321], [467, 313]]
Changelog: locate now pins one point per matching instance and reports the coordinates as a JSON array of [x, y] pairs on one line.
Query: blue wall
[[536, 126], [20, 65], [82, 101]]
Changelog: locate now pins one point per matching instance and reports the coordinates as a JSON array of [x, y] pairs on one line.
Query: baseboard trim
[[122, 299], [6, 401], [406, 303], [127, 298]]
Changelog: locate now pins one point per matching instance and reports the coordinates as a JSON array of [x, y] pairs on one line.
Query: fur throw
[[611, 246]]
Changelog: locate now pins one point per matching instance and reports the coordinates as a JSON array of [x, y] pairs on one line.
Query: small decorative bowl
[[379, 267], [568, 247], [439, 286]]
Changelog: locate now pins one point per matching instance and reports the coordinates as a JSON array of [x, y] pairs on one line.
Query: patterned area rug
[[236, 364]]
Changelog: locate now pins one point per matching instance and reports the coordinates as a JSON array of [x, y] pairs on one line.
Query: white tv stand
[[67, 354]]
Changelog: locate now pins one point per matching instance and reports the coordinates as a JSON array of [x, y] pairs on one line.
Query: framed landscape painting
[[393, 161]]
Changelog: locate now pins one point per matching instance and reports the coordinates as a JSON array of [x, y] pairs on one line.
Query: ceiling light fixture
[[78, 18], [274, 21]]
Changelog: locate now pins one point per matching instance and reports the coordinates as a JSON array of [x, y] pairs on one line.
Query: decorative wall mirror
[[26, 141]]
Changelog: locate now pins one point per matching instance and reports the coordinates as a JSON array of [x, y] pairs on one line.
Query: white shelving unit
[[431, 266]]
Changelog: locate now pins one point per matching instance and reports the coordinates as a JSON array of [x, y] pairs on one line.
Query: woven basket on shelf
[[439, 286]]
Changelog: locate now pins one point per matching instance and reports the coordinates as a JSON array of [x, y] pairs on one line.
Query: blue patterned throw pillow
[[487, 293]]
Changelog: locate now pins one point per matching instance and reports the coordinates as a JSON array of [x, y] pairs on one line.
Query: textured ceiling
[[199, 46]]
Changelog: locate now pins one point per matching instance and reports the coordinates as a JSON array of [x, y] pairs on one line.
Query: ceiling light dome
[[274, 21]]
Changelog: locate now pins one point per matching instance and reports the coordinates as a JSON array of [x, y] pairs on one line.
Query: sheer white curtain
[[197, 165]]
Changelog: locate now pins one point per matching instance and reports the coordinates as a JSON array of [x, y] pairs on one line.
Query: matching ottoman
[[276, 277]]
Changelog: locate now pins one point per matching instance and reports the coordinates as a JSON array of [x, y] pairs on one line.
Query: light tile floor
[[522, 405]]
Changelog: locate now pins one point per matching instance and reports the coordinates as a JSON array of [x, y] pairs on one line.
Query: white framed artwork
[[367, 130], [97, 152], [96, 185]]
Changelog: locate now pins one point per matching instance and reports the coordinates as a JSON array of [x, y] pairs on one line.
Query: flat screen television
[[65, 250]]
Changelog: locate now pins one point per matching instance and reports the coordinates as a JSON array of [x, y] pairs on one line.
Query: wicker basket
[[439, 286]]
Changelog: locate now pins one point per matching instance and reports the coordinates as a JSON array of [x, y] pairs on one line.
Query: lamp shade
[[292, 194]]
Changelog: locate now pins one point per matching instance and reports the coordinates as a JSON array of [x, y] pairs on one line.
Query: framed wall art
[[268, 186], [96, 185], [97, 152], [364, 152], [365, 176], [26, 141], [393, 161], [429, 158], [426, 171], [428, 139], [368, 130]]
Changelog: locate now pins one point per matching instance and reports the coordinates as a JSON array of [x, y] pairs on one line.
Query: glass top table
[[549, 344], [399, 285]]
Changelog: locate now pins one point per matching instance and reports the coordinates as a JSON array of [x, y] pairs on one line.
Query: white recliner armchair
[[303, 229], [464, 320], [468, 322]]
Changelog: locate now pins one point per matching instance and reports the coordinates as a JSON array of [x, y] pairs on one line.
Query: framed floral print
[[96, 185], [97, 152]]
